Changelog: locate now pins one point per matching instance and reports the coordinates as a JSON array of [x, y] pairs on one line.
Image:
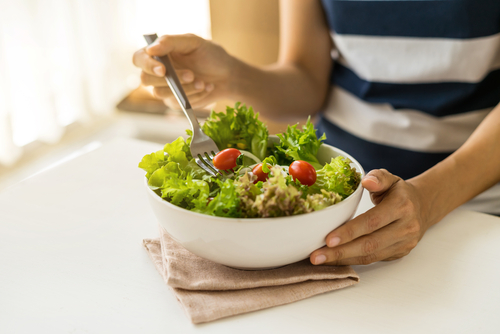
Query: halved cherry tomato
[[261, 176], [303, 171], [226, 159]]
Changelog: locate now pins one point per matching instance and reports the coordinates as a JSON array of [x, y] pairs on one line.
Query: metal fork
[[203, 148]]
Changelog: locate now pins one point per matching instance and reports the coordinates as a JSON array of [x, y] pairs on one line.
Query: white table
[[71, 261]]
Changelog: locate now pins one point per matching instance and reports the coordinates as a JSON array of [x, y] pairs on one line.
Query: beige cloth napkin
[[208, 291]]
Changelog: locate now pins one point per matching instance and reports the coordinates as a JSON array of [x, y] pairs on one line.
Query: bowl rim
[[262, 219]]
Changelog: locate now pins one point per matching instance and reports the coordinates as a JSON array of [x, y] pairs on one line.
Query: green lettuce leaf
[[182, 192], [238, 127], [178, 151], [225, 204], [296, 144], [338, 176], [197, 172], [157, 179], [268, 161], [152, 162]]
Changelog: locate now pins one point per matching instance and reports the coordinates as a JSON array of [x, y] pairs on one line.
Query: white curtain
[[66, 61]]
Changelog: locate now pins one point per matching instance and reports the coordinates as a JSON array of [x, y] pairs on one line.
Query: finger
[[364, 246], [206, 102], [379, 181], [149, 65], [197, 100], [392, 252], [183, 44], [395, 257], [379, 216], [190, 89], [185, 76]]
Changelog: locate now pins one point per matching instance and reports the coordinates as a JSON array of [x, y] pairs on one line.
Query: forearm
[[297, 85], [472, 169], [280, 91]]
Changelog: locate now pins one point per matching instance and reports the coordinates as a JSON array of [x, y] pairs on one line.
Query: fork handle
[[175, 85]]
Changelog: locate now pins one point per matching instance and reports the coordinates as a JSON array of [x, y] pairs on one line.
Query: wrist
[[238, 79], [435, 191]]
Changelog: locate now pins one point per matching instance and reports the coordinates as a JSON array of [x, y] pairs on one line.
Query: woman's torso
[[411, 80]]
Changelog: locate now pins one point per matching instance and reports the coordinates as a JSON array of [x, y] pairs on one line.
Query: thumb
[[379, 181]]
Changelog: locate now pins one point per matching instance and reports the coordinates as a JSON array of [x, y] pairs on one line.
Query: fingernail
[[210, 87], [333, 242], [198, 85], [158, 70], [188, 77], [372, 178], [320, 259]]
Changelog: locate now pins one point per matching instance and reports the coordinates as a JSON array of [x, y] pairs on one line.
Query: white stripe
[[418, 60], [402, 128]]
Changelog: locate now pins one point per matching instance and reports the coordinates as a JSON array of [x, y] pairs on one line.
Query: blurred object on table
[[141, 100]]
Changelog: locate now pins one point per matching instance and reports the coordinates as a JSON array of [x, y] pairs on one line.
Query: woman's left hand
[[387, 232]]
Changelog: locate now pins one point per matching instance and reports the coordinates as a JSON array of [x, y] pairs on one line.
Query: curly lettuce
[[177, 151], [338, 176], [296, 144], [278, 196], [238, 127], [225, 204], [151, 162], [174, 173]]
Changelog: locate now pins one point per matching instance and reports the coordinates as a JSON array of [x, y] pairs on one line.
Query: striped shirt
[[411, 81]]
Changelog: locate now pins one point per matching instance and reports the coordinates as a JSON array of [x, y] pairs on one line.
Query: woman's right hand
[[203, 67]]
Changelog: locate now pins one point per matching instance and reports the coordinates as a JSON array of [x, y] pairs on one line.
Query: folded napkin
[[208, 291]]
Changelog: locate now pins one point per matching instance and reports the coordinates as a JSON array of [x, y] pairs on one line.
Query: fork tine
[[209, 165], [209, 159], [208, 162], [204, 167]]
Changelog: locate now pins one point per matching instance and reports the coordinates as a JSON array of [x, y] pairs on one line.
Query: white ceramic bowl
[[259, 243]]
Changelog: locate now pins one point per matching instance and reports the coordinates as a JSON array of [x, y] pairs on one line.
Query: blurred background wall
[[65, 66], [69, 62], [248, 30]]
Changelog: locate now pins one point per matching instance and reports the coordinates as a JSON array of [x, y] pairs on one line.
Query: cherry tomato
[[261, 176], [303, 171], [226, 159]]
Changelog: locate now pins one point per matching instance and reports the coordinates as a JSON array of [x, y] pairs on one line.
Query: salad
[[269, 180]]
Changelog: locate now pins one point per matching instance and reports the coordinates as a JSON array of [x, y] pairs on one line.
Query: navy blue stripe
[[445, 19], [403, 163], [438, 99]]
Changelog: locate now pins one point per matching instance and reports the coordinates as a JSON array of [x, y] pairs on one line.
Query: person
[[411, 89]]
